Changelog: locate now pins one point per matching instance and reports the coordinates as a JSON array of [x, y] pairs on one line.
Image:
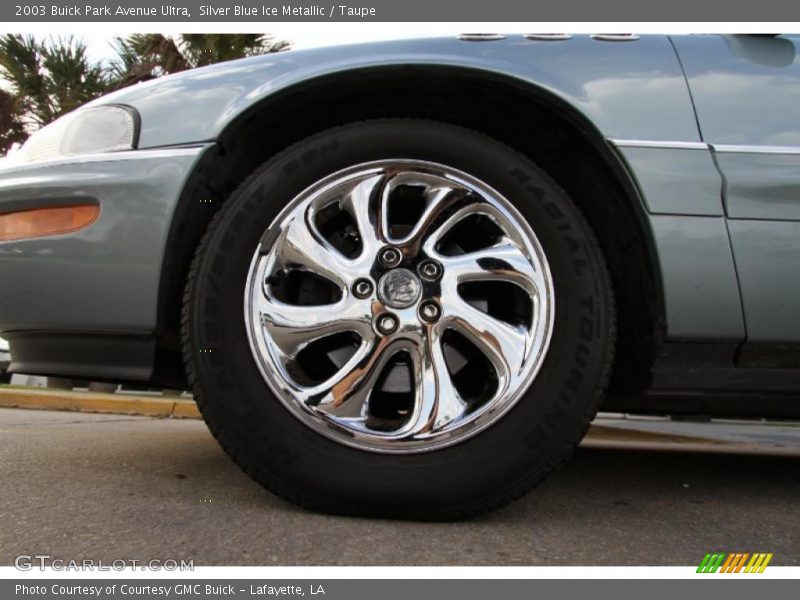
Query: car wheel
[[400, 318], [5, 376]]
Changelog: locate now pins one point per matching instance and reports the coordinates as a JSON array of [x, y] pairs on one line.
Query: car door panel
[[746, 92], [676, 181], [767, 255], [700, 288], [745, 87], [761, 186]]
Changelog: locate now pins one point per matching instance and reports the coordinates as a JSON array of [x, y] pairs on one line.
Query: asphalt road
[[114, 487]]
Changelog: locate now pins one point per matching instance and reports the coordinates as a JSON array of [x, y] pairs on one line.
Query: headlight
[[84, 131]]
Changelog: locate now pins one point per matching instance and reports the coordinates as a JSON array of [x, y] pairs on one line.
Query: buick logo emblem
[[399, 288]]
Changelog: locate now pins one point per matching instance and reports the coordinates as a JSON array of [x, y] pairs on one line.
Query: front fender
[[628, 90]]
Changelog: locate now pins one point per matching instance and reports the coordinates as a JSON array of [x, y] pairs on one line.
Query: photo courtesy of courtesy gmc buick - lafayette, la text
[[401, 278]]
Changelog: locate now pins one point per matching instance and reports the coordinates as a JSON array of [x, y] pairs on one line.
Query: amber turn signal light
[[40, 222]]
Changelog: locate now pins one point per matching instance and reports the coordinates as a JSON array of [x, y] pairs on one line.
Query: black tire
[[481, 473], [5, 376]]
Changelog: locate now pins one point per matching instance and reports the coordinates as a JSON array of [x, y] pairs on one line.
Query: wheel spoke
[[441, 196], [346, 394], [504, 261], [302, 246], [502, 343], [437, 400], [362, 203], [293, 327]]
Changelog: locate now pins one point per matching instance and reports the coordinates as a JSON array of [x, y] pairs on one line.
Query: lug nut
[[430, 312], [387, 324], [362, 288], [430, 270], [390, 257]]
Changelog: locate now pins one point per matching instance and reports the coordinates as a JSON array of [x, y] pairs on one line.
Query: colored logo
[[734, 562]]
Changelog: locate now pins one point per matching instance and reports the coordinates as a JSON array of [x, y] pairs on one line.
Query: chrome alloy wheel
[[399, 306]]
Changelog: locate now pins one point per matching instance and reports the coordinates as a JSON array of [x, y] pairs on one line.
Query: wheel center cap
[[399, 288]]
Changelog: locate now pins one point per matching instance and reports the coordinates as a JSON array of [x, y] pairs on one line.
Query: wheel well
[[528, 119]]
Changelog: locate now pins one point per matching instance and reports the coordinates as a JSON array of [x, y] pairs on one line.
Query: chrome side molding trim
[[749, 149], [674, 145], [718, 148]]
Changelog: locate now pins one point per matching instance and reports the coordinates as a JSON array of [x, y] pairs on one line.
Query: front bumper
[[100, 280]]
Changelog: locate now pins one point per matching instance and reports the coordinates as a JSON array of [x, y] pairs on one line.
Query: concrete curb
[[121, 404], [598, 436]]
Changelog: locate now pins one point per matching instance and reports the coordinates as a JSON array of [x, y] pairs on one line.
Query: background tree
[[145, 56], [12, 128], [49, 78]]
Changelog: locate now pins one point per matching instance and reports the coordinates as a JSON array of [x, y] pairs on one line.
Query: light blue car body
[[706, 127]]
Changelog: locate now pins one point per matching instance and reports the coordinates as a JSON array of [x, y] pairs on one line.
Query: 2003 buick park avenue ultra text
[[90, 11], [400, 278]]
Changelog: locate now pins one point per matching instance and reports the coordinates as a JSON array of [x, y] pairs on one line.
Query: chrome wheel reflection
[[399, 306]]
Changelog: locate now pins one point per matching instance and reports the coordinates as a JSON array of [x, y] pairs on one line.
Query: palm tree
[[49, 78], [206, 49], [145, 56], [12, 127]]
